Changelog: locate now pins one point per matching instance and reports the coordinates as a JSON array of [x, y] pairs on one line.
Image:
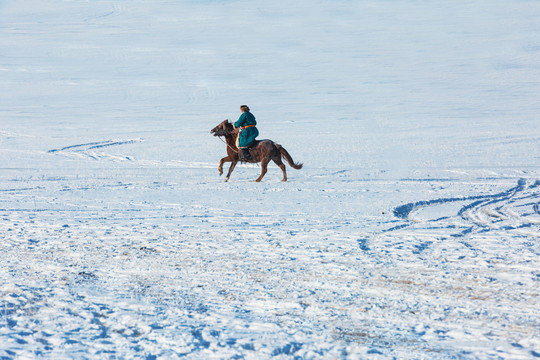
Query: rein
[[229, 146]]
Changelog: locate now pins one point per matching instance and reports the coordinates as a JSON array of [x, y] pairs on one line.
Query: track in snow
[[88, 150]]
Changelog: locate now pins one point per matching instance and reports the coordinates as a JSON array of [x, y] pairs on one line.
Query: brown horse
[[261, 151]]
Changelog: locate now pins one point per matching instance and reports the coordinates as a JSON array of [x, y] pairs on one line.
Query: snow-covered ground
[[411, 232]]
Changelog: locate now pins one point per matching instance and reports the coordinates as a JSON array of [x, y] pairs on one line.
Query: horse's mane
[[229, 122]]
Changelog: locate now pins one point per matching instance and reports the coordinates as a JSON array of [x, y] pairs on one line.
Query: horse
[[260, 150]]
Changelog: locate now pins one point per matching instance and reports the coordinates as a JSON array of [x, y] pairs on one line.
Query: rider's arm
[[240, 121]]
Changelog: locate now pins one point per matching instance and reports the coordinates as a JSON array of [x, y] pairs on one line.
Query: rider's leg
[[244, 154]]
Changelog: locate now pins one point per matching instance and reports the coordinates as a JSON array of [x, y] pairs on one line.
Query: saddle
[[244, 154]]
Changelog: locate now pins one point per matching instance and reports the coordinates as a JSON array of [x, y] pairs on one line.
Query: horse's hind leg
[[231, 168], [264, 168], [282, 167]]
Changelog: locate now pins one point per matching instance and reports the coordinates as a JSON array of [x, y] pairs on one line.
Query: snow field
[[411, 232]]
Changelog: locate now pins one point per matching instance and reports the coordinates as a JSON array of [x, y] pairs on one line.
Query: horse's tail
[[285, 155]]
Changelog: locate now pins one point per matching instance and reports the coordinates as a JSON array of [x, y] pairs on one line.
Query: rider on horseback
[[248, 132]]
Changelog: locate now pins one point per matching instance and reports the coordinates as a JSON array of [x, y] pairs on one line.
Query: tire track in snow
[[88, 149], [95, 145], [479, 227], [482, 213]]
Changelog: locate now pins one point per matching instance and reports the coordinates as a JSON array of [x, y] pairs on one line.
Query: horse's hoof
[[226, 179]]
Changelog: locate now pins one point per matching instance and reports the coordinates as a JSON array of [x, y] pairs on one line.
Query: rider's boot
[[244, 154]]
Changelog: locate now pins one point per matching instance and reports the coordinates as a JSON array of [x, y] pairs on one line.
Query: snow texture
[[412, 232]]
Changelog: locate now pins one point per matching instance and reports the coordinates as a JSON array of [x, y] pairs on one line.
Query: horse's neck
[[231, 140]]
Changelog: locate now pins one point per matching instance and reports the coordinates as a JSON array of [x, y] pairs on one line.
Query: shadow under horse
[[260, 150]]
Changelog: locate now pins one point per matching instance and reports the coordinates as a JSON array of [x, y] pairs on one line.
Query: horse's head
[[223, 129]]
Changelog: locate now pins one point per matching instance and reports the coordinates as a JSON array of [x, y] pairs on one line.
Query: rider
[[248, 132]]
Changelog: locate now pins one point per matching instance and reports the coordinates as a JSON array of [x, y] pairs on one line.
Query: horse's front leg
[[224, 160], [233, 165]]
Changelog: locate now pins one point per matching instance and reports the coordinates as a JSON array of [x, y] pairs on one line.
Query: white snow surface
[[412, 232]]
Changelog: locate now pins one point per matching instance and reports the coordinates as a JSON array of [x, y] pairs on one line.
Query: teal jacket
[[247, 134]]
